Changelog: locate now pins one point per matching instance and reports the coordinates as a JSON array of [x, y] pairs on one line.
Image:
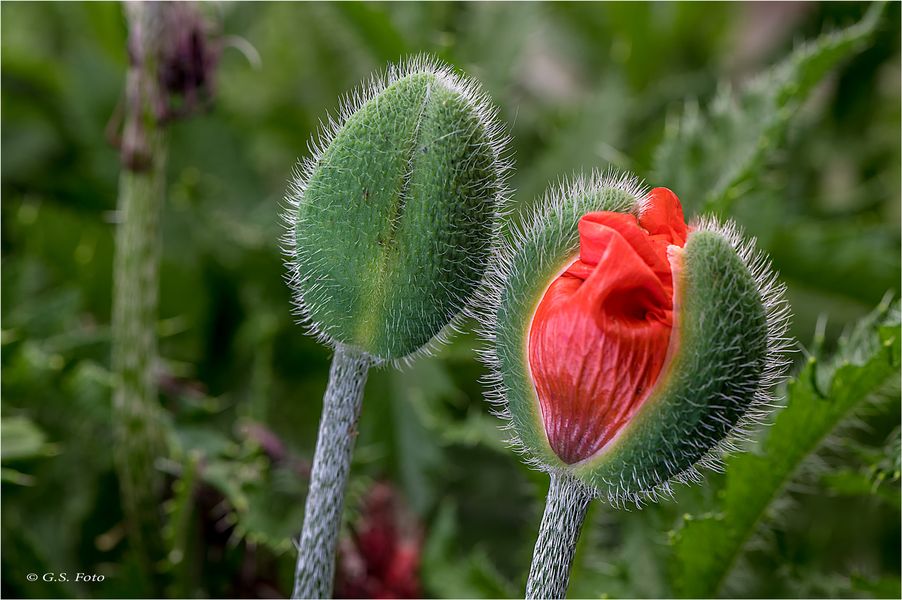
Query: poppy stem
[[315, 569], [565, 511]]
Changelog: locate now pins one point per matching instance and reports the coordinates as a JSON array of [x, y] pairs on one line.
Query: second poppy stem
[[329, 475], [565, 511]]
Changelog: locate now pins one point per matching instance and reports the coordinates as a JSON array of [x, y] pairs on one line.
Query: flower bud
[[393, 219], [629, 347]]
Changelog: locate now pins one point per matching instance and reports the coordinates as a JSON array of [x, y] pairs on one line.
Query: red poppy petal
[[592, 240], [663, 217], [596, 346]]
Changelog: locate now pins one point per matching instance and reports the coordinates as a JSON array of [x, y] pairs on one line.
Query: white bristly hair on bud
[[780, 346], [772, 297], [497, 138], [527, 262]]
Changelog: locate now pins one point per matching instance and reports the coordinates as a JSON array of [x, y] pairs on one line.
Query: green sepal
[[392, 224], [711, 383]]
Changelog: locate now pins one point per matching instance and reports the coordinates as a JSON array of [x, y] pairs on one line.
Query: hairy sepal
[[728, 351], [715, 380], [392, 221]]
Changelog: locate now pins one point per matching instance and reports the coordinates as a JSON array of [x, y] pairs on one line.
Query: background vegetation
[[806, 157]]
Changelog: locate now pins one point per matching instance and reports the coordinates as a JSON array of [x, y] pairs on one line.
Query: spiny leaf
[[264, 501], [708, 157], [263, 496], [707, 546]]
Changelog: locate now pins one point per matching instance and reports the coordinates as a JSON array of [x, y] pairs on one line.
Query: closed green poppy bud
[[392, 223], [628, 347], [392, 220]]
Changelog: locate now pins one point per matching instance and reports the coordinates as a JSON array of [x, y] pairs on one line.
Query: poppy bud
[[392, 223], [629, 346], [392, 220]]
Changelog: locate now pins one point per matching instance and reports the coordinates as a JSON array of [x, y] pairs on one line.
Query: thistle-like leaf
[[710, 155], [707, 546]]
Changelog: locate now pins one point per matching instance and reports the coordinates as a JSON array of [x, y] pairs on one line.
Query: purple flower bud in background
[[188, 58]]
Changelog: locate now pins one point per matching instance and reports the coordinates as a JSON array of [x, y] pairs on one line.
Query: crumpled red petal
[[599, 337]]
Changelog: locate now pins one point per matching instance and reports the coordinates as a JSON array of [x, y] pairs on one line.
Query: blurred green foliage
[[582, 85], [821, 396]]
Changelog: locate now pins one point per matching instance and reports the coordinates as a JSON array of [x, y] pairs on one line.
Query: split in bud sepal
[[627, 347]]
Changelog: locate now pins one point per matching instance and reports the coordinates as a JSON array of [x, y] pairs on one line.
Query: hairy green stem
[[135, 404], [329, 477], [136, 411], [565, 511]]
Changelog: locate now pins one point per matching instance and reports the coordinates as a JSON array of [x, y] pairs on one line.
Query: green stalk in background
[[139, 438], [163, 64]]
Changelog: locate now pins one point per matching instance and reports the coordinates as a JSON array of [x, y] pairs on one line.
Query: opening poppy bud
[[392, 221], [628, 347]]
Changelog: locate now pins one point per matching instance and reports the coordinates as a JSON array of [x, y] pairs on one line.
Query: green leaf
[[708, 545], [177, 528], [451, 575], [878, 475], [708, 157], [265, 501], [884, 587], [22, 439]]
